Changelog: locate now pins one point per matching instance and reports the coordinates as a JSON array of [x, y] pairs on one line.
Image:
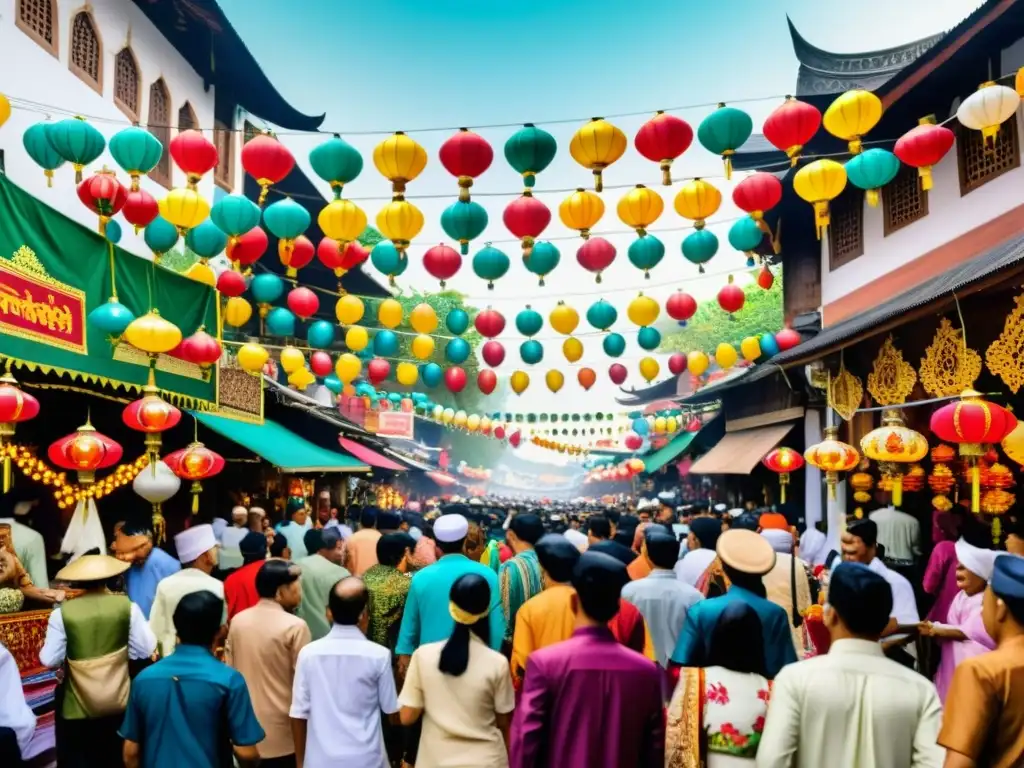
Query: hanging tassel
[[197, 488], [8, 479], [897, 491], [975, 490]]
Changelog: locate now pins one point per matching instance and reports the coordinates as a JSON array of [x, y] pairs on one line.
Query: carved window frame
[[970, 142], [903, 192], [133, 115], [849, 203], [224, 140], [52, 46], [76, 70], [189, 111], [161, 174]]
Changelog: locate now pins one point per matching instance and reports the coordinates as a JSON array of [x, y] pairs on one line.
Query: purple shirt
[[940, 580], [589, 701]]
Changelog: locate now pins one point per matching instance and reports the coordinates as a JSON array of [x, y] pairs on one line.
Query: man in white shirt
[[343, 682], [701, 542], [900, 534], [852, 707], [230, 539], [17, 723]]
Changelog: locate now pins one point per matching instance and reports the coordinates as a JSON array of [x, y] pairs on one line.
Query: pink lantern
[[596, 255], [493, 353], [633, 441], [303, 302], [677, 364], [617, 373], [455, 379], [320, 363]]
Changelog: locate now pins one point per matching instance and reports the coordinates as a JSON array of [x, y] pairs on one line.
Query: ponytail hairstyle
[[469, 604]]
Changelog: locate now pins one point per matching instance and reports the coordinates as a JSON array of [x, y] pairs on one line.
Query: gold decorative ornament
[[893, 445], [892, 378], [1005, 355], [949, 366], [846, 393]]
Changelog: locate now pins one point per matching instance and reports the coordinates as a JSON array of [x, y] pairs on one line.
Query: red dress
[[240, 588]]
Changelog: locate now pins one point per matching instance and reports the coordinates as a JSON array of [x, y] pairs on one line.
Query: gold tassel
[[897, 491], [727, 158], [975, 489], [925, 172]]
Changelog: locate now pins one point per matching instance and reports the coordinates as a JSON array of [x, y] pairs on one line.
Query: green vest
[[95, 626]]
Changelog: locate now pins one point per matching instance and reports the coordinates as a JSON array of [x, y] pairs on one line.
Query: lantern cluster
[[618, 473]]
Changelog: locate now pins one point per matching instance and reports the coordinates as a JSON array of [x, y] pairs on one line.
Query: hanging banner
[[395, 424]]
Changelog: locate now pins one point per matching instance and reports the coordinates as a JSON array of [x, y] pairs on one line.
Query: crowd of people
[[478, 635]]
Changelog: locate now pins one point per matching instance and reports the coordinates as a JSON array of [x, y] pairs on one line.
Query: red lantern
[[681, 306], [297, 256], [320, 363], [200, 348], [765, 278], [515, 438], [194, 154], [378, 369], [303, 302], [442, 262], [787, 338], [353, 255], [791, 126], [499, 432], [268, 161], [231, 283], [455, 379], [330, 255], [526, 217], [924, 146], [731, 297], [596, 255], [140, 208], [85, 451], [972, 423], [151, 415], [489, 323], [195, 462], [486, 381], [493, 353], [103, 194], [633, 441], [587, 377], [677, 364], [15, 406], [661, 140], [248, 248], [617, 373], [466, 155], [757, 193], [694, 425], [783, 460]]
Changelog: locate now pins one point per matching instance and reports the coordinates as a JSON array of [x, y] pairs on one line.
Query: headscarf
[[978, 561], [577, 538], [781, 541], [773, 521]]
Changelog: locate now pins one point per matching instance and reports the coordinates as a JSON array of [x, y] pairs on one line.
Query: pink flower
[[717, 693], [759, 724], [764, 694]]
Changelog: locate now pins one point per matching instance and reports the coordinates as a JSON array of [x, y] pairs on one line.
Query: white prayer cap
[[577, 539], [257, 511], [239, 514], [736, 512], [720, 507], [193, 542], [219, 526], [449, 528], [781, 541], [980, 562]]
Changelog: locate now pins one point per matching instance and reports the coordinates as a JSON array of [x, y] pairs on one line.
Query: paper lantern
[[698, 200], [422, 347], [442, 263], [184, 208], [341, 220], [111, 317], [406, 374], [731, 298], [750, 348], [677, 364], [564, 319], [765, 278], [819, 183], [555, 380], [248, 248], [466, 155], [231, 283], [457, 351], [151, 414], [542, 260], [140, 209], [464, 221], [893, 445], [613, 345], [349, 309], [388, 259], [156, 484], [645, 253], [455, 379], [152, 334], [871, 170], [643, 310], [16, 406], [377, 370], [519, 381], [852, 115], [489, 323], [268, 161], [490, 264], [757, 193], [649, 369], [400, 222], [531, 352], [201, 349], [252, 358], [303, 302], [617, 373], [596, 146], [456, 321], [596, 255], [423, 318], [486, 381], [103, 194], [526, 218], [787, 338], [725, 356], [602, 315], [581, 211], [697, 363], [400, 160], [292, 359], [195, 154], [196, 463], [924, 146], [320, 334], [680, 306], [529, 151], [385, 343], [572, 348], [136, 151], [783, 461], [832, 456], [493, 353], [663, 139], [85, 451], [356, 338], [586, 377], [337, 162], [37, 145], [529, 321], [76, 141], [348, 367], [987, 109], [791, 125], [723, 132], [389, 313]]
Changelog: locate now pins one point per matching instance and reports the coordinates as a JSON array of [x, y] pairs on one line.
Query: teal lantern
[[286, 219], [160, 236], [531, 351], [431, 374], [388, 259], [699, 247], [745, 235], [136, 151], [723, 132], [530, 150], [645, 253], [542, 260], [529, 322], [280, 322], [337, 162], [648, 338], [464, 221], [490, 264], [614, 345], [456, 321], [871, 170], [235, 215], [602, 315], [320, 334], [266, 288], [206, 240], [769, 346], [112, 231], [333, 383], [111, 318], [76, 141], [456, 350], [37, 145], [385, 343]]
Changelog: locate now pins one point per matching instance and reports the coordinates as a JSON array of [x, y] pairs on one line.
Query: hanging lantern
[[677, 364], [136, 151], [157, 484], [201, 348], [400, 160], [85, 451], [723, 132], [342, 221], [531, 352], [700, 247], [613, 345], [832, 456], [643, 311], [783, 461], [757, 193], [400, 221], [140, 209], [787, 338], [76, 141], [464, 221], [987, 109], [519, 381], [698, 200], [296, 257], [746, 235], [489, 323], [16, 406], [792, 125], [663, 139], [465, 156], [442, 263], [617, 373], [697, 363], [731, 298], [596, 255], [639, 208], [852, 115], [389, 313], [596, 146], [542, 259], [602, 315], [152, 415], [337, 162], [348, 367], [493, 353], [564, 318], [103, 194], [649, 369], [112, 318], [37, 145], [286, 220], [725, 356], [924, 146], [303, 302], [871, 170], [248, 248], [680, 306], [196, 462], [206, 241], [194, 154], [341, 259], [490, 264], [765, 278], [455, 379], [893, 446], [237, 310], [581, 211], [268, 161], [529, 322], [526, 218], [572, 348], [152, 334], [184, 208], [486, 381], [818, 184], [529, 151], [587, 377]]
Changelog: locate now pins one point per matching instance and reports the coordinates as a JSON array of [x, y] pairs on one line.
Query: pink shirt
[[940, 580]]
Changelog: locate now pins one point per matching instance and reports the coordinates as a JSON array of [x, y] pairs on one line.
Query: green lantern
[[160, 236], [723, 132], [235, 215], [745, 235], [38, 146], [464, 221], [456, 321], [602, 315], [614, 345], [532, 352], [136, 151], [286, 219], [529, 322], [76, 141], [648, 338], [530, 150], [337, 162], [206, 240], [699, 247], [645, 253], [871, 170], [490, 264], [388, 259], [543, 259]]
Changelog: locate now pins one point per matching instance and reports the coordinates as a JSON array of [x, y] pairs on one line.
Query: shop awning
[[281, 447], [370, 456], [738, 452], [674, 448]]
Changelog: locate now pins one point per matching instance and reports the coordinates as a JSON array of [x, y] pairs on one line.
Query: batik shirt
[[519, 580], [388, 588]]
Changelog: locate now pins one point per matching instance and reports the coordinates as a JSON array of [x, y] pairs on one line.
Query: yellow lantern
[[581, 211], [697, 362], [389, 313], [292, 359], [725, 356], [473, 422], [406, 374], [485, 424], [832, 456], [987, 109], [237, 312], [750, 348], [437, 412], [5, 109], [639, 208], [356, 338], [349, 309], [572, 348], [423, 318], [1018, 82], [400, 221], [422, 347], [399, 159], [342, 220], [520, 381], [447, 415], [660, 425], [301, 378], [1013, 444], [564, 318], [819, 183], [348, 368], [597, 145], [202, 273], [893, 445], [698, 200], [671, 424], [851, 115], [460, 419], [643, 311], [152, 334], [252, 357], [554, 379], [649, 369], [184, 208]]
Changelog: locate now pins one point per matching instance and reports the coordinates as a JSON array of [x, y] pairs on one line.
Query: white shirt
[[342, 684], [692, 567], [141, 641], [15, 712], [904, 604], [899, 533], [851, 708], [169, 592], [230, 555], [663, 600]]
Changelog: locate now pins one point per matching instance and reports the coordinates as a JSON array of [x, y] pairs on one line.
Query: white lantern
[[988, 108], [156, 483]]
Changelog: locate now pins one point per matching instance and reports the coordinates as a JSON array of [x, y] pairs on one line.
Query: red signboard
[[395, 424], [37, 307]]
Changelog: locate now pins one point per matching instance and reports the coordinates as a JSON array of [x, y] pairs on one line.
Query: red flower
[[728, 729], [718, 694], [759, 724], [764, 694], [740, 740]]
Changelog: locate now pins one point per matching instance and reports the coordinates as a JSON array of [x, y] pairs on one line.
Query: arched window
[[160, 126], [126, 83], [86, 58], [187, 118], [38, 20]]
